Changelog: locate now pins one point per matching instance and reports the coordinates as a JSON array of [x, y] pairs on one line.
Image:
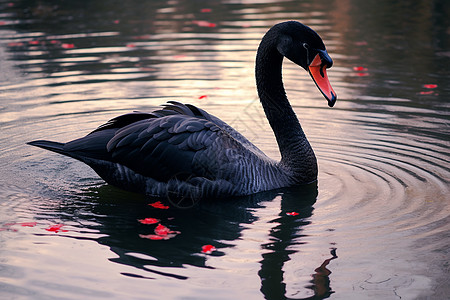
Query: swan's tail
[[58, 148], [48, 145], [105, 169]]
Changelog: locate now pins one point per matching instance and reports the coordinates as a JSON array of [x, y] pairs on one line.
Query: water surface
[[374, 227]]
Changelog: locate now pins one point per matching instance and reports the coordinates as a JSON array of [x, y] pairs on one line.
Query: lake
[[375, 226]]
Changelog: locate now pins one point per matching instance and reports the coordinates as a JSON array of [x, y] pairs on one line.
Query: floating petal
[[149, 221], [208, 249], [159, 205]]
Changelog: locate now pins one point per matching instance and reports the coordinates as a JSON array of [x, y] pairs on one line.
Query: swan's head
[[304, 47]]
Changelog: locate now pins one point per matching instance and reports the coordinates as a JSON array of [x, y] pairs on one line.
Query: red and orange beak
[[318, 72]]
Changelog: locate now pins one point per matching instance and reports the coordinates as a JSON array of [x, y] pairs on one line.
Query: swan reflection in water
[[218, 223]]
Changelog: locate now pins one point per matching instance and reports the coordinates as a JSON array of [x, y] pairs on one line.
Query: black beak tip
[[333, 99]]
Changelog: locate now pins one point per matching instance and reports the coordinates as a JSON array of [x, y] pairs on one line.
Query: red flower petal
[[33, 42], [426, 93], [203, 97], [206, 10], [430, 86], [56, 228], [208, 249], [204, 23], [131, 45], [162, 233], [149, 221], [359, 69], [362, 74], [159, 205], [67, 46], [293, 213], [162, 230]]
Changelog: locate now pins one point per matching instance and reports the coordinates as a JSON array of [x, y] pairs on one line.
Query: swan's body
[[184, 150]]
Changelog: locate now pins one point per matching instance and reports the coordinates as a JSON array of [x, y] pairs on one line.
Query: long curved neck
[[296, 153]]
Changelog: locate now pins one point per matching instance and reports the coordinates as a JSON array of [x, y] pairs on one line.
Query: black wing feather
[[168, 151]]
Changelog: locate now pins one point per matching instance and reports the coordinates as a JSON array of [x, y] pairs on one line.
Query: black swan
[[183, 150]]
